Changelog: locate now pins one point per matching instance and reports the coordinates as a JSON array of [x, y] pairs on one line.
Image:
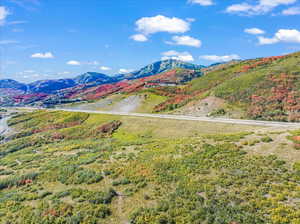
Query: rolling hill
[[12, 84], [264, 88], [93, 77]]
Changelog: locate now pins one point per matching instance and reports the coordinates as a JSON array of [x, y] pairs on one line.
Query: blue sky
[[49, 39]]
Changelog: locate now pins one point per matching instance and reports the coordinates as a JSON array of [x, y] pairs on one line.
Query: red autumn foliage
[[173, 103], [104, 90], [282, 101], [130, 86], [296, 138], [260, 62], [25, 182], [57, 126], [25, 98], [51, 212]]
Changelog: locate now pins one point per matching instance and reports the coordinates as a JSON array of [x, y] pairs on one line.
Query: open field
[[67, 167]]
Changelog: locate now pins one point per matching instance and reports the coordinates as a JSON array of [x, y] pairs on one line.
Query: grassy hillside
[[265, 88], [63, 167]]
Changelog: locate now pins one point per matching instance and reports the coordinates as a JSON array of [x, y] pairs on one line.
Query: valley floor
[[72, 167]]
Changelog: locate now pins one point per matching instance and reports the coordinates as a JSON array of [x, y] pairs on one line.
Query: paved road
[[191, 118], [183, 117], [3, 125]]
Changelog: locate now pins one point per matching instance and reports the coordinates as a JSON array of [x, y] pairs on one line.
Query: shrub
[[124, 181], [267, 139], [109, 128], [77, 175], [93, 197], [5, 172], [217, 113], [18, 180]]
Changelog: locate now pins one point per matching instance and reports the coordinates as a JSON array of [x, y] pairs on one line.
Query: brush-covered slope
[[172, 77], [264, 88], [61, 90], [85, 168]]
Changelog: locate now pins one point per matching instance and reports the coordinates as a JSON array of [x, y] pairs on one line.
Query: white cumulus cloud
[[262, 7], [29, 71], [43, 55], [139, 38], [3, 14], [291, 11], [223, 58], [104, 68], [181, 56], [282, 35], [185, 41], [254, 31], [73, 62], [160, 23], [124, 70], [5, 42], [64, 73], [265, 41], [237, 8], [202, 2]]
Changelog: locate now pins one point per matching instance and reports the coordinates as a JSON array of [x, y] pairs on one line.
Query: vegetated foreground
[[63, 167]]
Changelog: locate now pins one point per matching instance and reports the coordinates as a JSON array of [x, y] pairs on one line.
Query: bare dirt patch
[[281, 146], [129, 104], [202, 107]]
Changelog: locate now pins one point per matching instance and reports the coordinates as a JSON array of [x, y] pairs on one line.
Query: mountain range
[[93, 78], [262, 88]]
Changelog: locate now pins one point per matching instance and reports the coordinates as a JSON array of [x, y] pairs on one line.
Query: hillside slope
[[12, 84], [264, 88]]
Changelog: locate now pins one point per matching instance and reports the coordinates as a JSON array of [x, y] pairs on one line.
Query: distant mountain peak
[[12, 84], [161, 66], [89, 77]]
